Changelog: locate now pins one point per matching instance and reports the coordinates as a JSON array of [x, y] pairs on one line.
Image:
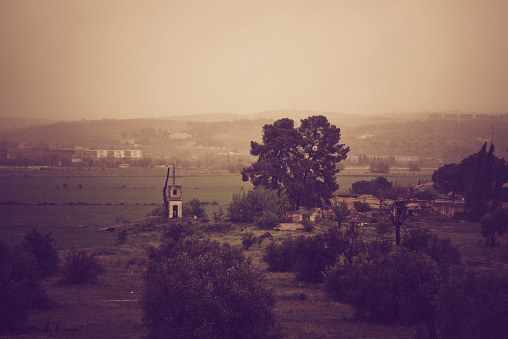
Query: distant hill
[[389, 135], [7, 123]]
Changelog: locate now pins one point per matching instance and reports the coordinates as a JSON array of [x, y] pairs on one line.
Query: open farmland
[[73, 204], [110, 309]]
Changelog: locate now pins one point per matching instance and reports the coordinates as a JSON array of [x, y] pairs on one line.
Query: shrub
[[308, 226], [353, 241], [413, 166], [218, 216], [280, 257], [429, 194], [473, 304], [157, 212], [195, 207], [340, 212], [379, 166], [308, 257], [177, 231], [494, 224], [374, 187], [362, 206], [121, 237], [80, 267], [19, 290], [424, 241], [203, 289], [251, 206], [42, 248], [312, 258], [248, 239], [268, 220], [398, 288]]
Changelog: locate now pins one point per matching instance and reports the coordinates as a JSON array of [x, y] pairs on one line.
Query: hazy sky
[[131, 58]]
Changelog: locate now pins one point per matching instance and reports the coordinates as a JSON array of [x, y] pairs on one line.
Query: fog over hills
[[411, 134]]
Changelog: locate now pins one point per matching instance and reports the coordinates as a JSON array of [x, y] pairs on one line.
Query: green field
[[83, 201]]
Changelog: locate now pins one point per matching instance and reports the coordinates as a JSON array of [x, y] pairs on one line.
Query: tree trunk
[[165, 197], [397, 233]]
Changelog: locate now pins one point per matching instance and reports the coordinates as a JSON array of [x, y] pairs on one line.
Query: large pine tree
[[301, 161]]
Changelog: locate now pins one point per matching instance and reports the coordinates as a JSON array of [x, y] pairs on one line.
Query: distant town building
[[97, 154], [485, 118], [466, 118], [462, 118], [434, 117], [450, 117]]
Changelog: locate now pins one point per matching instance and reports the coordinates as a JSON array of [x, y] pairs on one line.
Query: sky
[[94, 59]]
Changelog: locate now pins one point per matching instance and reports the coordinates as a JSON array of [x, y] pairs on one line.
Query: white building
[[134, 154]]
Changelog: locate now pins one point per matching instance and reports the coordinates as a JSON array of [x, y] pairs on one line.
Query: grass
[[109, 308]]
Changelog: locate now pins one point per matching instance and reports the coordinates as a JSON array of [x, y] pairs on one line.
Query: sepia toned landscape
[[253, 169]]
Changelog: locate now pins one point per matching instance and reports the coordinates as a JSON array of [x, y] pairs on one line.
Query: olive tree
[[204, 289]]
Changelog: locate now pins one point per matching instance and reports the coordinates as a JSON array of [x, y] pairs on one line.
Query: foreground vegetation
[[110, 306], [228, 278]]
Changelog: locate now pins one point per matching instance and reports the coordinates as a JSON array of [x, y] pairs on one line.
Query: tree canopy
[[376, 187], [300, 161], [479, 177]]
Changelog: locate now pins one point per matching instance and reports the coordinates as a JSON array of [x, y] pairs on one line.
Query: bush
[[312, 258], [80, 267], [378, 166], [203, 289], [195, 207], [494, 224], [20, 291], [340, 211], [268, 220], [177, 231], [374, 187], [398, 288], [413, 166], [249, 207], [308, 226], [218, 216], [42, 248], [157, 212], [308, 257], [473, 304], [248, 239], [280, 257], [362, 206], [429, 194], [440, 250], [121, 237]]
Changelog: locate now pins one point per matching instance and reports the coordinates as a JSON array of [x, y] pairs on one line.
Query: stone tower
[[175, 198]]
